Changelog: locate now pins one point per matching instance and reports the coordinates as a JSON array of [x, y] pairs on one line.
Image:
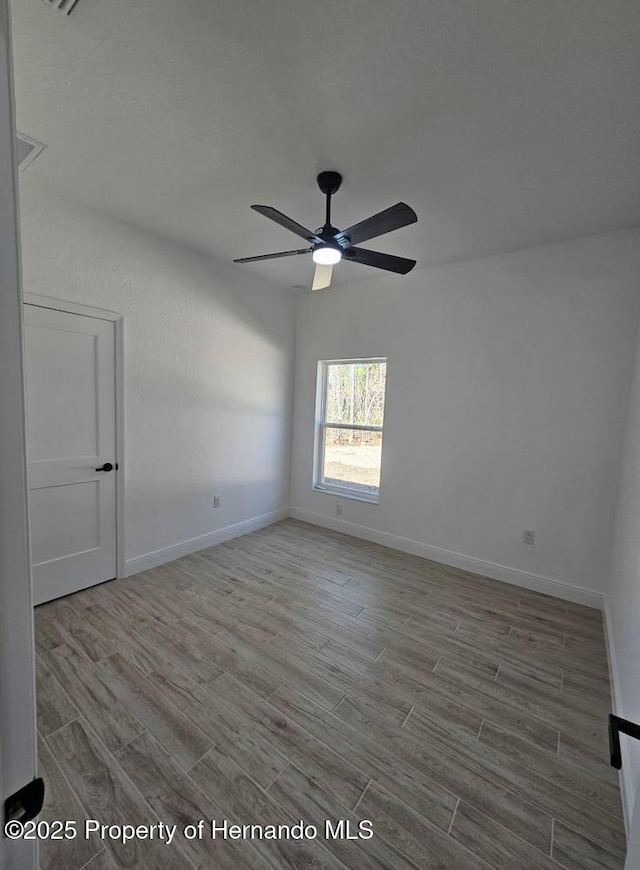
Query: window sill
[[352, 494]]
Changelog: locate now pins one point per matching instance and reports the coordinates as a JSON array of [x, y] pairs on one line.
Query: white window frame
[[321, 425]]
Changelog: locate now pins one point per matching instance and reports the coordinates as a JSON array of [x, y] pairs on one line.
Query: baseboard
[[626, 787], [185, 548], [514, 576]]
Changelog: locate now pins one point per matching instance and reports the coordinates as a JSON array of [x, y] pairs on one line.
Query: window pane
[[355, 393], [352, 458]]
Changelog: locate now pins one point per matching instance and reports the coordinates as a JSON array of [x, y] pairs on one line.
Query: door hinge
[[25, 804], [616, 727]]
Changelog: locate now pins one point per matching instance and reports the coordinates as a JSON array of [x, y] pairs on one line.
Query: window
[[350, 415]]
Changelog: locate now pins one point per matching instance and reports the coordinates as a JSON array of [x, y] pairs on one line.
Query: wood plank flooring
[[296, 673]]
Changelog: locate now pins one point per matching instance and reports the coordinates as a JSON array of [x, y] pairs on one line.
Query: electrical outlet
[[528, 537], [217, 501], [338, 510]]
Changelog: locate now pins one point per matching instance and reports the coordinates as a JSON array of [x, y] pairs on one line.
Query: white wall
[[208, 364], [506, 386], [623, 597]]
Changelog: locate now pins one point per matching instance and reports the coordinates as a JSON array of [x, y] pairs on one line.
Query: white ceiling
[[504, 123]]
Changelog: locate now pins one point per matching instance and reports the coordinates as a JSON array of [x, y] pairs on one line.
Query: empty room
[[320, 435]]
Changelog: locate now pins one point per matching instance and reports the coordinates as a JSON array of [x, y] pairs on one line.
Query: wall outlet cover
[[528, 536]]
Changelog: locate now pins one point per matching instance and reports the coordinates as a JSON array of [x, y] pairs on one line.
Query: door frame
[[39, 301], [18, 753]]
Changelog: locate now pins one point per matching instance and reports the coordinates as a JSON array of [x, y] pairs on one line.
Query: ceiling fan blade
[[286, 222], [398, 215], [273, 256], [322, 276], [401, 265]]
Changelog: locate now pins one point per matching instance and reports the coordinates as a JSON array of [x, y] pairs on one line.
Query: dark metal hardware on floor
[[25, 804]]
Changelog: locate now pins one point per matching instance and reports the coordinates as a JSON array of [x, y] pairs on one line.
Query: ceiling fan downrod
[[329, 183]]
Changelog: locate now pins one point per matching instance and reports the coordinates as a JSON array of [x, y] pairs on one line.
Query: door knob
[[106, 467], [618, 726]]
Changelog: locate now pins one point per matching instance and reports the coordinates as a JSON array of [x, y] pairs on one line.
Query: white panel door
[[70, 385]]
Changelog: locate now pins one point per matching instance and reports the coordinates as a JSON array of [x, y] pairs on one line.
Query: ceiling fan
[[330, 245]]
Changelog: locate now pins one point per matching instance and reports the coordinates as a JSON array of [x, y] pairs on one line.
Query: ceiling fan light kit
[[327, 255], [329, 245]]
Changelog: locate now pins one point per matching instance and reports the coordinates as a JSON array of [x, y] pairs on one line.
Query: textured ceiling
[[504, 123]]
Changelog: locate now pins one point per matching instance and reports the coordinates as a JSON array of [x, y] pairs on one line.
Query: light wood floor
[[299, 674]]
